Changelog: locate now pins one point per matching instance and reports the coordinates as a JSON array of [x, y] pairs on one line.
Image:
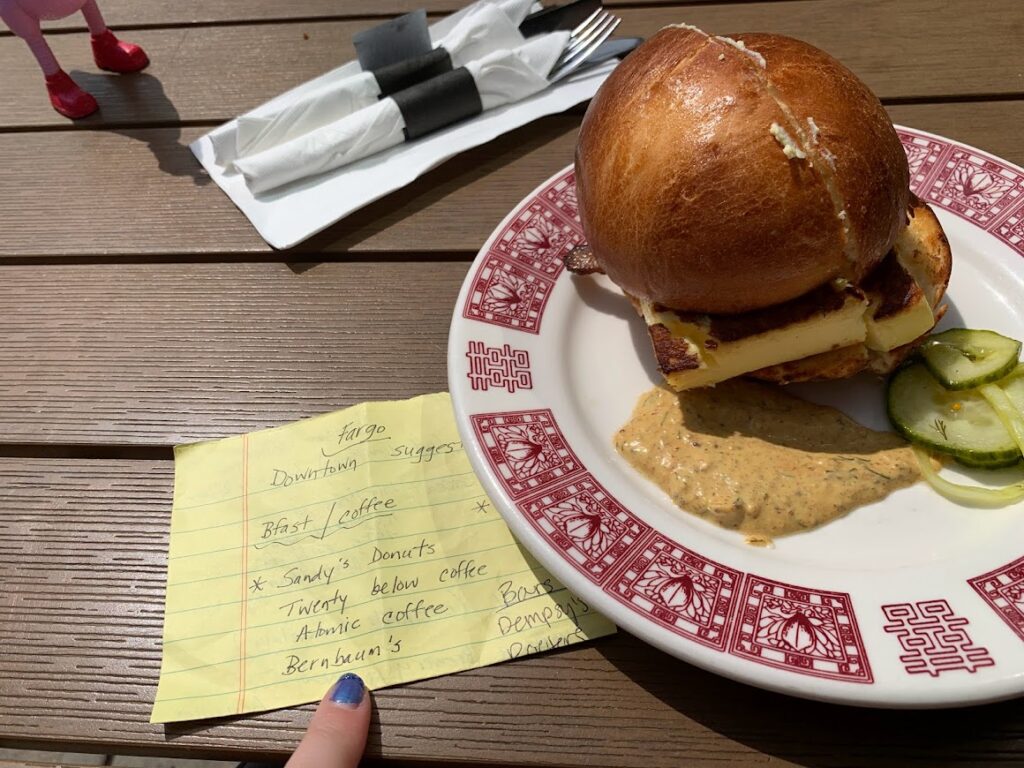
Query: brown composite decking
[[138, 309]]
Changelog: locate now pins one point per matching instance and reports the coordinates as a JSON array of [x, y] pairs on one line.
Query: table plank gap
[[30, 450], [128, 15], [577, 111], [176, 214], [257, 62]]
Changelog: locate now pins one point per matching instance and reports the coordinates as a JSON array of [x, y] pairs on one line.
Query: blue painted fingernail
[[348, 690]]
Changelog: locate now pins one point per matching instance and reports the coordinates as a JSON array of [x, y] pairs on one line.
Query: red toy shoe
[[67, 98], [116, 55]]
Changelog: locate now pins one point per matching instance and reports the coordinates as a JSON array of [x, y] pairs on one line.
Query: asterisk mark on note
[[482, 507], [257, 584]]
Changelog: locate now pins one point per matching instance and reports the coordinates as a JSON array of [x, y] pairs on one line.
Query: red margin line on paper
[[245, 573]]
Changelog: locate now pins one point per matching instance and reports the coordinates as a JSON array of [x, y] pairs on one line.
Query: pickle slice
[[963, 359], [1014, 389], [960, 424]]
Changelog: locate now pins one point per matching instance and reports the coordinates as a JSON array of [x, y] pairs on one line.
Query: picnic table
[[139, 310]]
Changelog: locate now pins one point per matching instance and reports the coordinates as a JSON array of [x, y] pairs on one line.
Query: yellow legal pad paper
[[358, 541]]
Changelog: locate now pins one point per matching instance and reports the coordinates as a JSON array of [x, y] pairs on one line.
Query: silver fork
[[583, 41]]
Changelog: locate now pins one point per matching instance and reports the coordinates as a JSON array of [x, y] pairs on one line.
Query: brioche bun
[[717, 179]]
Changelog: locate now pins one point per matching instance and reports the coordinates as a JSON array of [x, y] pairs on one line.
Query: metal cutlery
[[555, 17], [584, 41]]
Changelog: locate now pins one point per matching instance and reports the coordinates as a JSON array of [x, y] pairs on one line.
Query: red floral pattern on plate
[[538, 238], [590, 528], [1011, 228], [934, 638], [1003, 589], [506, 294], [923, 156], [803, 630], [561, 194], [526, 449], [977, 188], [681, 590], [500, 367]]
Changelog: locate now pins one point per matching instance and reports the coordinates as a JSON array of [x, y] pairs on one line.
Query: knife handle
[[408, 72], [557, 17], [440, 101]]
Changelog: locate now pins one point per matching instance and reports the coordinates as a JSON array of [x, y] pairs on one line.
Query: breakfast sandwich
[[751, 198]]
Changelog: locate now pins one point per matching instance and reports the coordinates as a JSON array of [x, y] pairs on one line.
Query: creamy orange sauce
[[750, 457]]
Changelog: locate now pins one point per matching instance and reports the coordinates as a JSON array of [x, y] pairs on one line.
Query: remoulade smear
[[755, 459]]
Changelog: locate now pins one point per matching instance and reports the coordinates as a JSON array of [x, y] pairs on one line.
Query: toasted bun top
[[719, 175]]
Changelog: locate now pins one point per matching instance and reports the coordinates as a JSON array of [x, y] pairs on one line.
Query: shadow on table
[[820, 735], [454, 174], [139, 99]]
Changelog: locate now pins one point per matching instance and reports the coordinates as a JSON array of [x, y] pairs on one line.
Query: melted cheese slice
[[693, 352], [718, 359], [901, 328], [900, 311]]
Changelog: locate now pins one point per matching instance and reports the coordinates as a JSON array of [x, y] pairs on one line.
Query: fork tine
[[587, 30], [592, 40], [583, 24], [579, 57], [577, 44]]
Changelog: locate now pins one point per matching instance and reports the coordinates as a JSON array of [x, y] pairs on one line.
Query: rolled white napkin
[[516, 10], [484, 29], [506, 76], [226, 142], [501, 77]]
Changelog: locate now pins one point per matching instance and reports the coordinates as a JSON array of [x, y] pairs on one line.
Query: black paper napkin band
[[393, 40], [407, 73], [440, 101]]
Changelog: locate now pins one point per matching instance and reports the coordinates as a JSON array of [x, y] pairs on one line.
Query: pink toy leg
[[110, 53], [93, 17], [41, 50], [65, 96], [27, 28]]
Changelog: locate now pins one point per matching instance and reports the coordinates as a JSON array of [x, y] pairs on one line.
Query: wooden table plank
[[212, 74], [82, 564], [134, 14], [156, 200], [103, 353], [237, 346]]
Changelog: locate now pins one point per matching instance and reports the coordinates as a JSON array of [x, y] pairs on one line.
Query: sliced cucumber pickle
[[960, 424], [964, 359], [1014, 389]]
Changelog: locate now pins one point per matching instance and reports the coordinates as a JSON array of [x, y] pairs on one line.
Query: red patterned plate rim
[[775, 625]]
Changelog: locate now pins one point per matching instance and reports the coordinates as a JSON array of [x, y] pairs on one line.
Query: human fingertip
[[349, 690]]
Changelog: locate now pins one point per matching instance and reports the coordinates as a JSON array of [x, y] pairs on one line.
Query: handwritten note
[[358, 541]]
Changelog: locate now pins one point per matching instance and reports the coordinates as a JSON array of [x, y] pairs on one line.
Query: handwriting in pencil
[[424, 454], [304, 606], [341, 658], [283, 478], [369, 508], [322, 575], [351, 436]]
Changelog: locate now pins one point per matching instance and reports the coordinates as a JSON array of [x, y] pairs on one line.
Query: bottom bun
[[923, 250]]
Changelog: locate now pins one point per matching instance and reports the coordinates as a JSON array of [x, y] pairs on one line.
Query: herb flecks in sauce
[[751, 457]]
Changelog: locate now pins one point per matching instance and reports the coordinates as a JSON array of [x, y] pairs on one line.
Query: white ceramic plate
[[910, 602]]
